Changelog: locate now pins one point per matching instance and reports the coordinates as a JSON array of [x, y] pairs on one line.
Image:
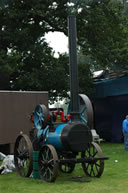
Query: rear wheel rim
[[23, 155]]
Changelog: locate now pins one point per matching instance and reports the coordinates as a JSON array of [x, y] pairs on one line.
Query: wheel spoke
[[38, 121], [47, 154], [45, 173], [82, 117], [38, 113], [94, 154], [43, 157], [91, 171], [97, 168], [42, 118], [97, 164], [83, 109], [51, 172], [89, 151], [50, 161], [87, 166]]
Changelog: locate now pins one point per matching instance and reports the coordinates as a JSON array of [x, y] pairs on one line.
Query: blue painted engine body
[[72, 136], [52, 137], [63, 134]]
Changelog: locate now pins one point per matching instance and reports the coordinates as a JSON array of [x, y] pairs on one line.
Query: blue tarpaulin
[[111, 87]]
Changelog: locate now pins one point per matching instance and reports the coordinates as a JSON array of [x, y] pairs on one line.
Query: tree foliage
[[28, 63], [104, 34], [26, 60]]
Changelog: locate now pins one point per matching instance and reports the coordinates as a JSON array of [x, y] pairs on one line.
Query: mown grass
[[113, 180]]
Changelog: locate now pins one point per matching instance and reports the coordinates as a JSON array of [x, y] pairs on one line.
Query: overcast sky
[[58, 41]]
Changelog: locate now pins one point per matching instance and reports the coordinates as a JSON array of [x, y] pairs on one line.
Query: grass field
[[113, 180]]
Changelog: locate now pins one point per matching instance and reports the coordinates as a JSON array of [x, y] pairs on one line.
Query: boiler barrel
[[73, 137], [54, 138]]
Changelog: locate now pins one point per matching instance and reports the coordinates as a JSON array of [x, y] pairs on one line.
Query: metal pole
[[73, 68]]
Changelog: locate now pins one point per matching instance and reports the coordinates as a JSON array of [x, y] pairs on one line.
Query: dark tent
[[110, 107]]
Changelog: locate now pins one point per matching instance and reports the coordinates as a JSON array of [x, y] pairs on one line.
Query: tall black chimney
[[74, 87]]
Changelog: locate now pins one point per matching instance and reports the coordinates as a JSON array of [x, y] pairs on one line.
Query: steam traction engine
[[60, 139]]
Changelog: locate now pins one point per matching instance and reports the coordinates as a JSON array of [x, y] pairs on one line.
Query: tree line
[[27, 61]]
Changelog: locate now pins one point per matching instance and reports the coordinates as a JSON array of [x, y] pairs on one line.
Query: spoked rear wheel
[[23, 155], [48, 165], [67, 167], [40, 116], [93, 168], [85, 109]]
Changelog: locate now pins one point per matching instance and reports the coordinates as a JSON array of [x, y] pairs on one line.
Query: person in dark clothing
[[125, 132]]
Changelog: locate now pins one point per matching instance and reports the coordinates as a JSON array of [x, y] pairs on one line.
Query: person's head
[[127, 117]]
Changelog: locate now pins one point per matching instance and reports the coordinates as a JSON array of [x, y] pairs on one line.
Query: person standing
[[125, 132]]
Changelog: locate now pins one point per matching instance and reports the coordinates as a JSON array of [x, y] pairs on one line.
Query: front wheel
[[93, 168], [48, 163]]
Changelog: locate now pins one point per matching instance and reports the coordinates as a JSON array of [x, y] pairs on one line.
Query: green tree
[[28, 63], [26, 60], [104, 34]]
